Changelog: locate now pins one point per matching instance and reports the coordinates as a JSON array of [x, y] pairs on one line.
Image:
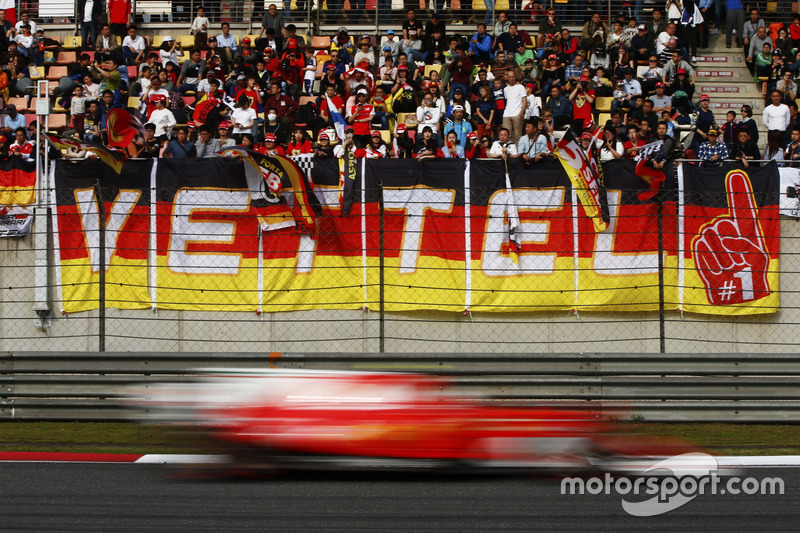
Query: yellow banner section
[[698, 295], [427, 283], [17, 195], [126, 285]]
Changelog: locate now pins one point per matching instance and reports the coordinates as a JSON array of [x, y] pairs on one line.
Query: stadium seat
[[57, 121], [30, 118], [57, 107], [603, 104], [72, 42], [478, 5], [36, 73], [133, 102], [133, 72], [20, 102], [386, 135], [320, 42], [66, 58], [307, 99], [56, 72], [186, 41], [431, 68], [158, 40], [401, 119], [188, 100], [602, 118]]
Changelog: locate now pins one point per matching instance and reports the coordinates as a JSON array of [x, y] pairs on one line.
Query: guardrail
[[649, 387]]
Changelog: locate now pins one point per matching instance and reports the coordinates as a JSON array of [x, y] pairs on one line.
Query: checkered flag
[[305, 162], [647, 149]]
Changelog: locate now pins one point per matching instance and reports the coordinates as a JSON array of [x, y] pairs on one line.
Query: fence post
[[101, 290], [382, 311], [661, 314]]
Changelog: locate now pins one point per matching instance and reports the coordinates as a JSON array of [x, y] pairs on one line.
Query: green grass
[[124, 437]]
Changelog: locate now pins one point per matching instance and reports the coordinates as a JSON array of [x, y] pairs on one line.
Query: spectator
[[108, 74], [776, 116], [750, 28], [533, 146], [180, 147], [452, 148], [365, 55], [711, 152], [274, 21], [274, 126], [206, 146], [375, 148], [133, 47], [792, 152], [119, 16], [167, 51], [323, 149], [787, 88], [510, 42], [582, 98], [382, 106], [405, 146], [745, 149], [516, 102], [503, 147], [560, 107], [191, 73], [284, 105], [609, 147], [89, 12], [593, 33], [472, 148], [271, 146], [21, 147], [635, 141], [226, 43], [642, 45], [244, 117], [757, 43], [412, 46], [480, 45], [552, 73], [428, 114], [773, 150], [460, 69], [12, 121], [391, 41], [549, 25], [631, 86], [427, 147], [458, 125], [360, 115], [151, 147], [484, 111], [199, 29], [300, 144]]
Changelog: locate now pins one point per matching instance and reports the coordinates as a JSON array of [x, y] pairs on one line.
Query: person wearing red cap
[[323, 148], [472, 149], [271, 146], [705, 121], [582, 98], [375, 149], [661, 102]]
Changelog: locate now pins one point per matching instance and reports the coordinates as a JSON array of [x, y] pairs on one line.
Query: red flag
[[122, 128]]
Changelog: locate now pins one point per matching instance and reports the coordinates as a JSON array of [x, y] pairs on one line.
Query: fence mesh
[[423, 262]]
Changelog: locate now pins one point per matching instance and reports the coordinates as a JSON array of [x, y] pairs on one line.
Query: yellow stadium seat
[[186, 41], [72, 42], [478, 5], [603, 104]]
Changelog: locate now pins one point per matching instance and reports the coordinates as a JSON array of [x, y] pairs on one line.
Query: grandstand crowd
[[423, 90]]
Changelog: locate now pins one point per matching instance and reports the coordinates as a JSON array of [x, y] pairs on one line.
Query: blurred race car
[[339, 419]]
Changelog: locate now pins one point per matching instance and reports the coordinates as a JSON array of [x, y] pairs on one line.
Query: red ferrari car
[[330, 419]]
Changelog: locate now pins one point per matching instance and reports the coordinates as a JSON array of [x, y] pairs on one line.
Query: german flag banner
[[17, 192], [326, 271], [618, 268], [125, 201], [419, 235], [543, 276], [424, 232], [731, 231]]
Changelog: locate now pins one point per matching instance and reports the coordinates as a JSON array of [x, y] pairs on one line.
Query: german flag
[[17, 182]]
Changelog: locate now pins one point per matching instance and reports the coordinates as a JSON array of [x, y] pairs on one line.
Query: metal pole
[[382, 312], [661, 313], [101, 296]]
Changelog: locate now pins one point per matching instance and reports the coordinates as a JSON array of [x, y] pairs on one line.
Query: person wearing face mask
[[273, 126]]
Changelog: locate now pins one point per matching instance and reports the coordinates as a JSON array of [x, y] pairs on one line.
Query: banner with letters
[[416, 235]]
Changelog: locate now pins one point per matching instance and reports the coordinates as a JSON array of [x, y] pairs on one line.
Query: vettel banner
[[414, 234]]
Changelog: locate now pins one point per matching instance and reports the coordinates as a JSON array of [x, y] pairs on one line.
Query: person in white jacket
[[163, 119], [428, 114]]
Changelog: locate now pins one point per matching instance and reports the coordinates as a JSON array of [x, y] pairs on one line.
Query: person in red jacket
[[271, 146], [300, 144], [360, 116], [473, 147]]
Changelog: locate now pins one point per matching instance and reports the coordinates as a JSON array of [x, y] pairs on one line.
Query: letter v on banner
[[584, 177], [86, 203]]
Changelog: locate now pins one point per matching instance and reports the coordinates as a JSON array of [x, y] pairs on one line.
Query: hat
[[551, 35], [713, 131], [11, 107], [627, 70], [191, 124], [619, 94], [680, 71], [586, 135], [270, 137], [241, 77], [155, 77], [584, 78], [552, 56], [268, 50], [213, 39], [324, 136], [458, 108], [362, 91], [458, 90], [342, 29], [660, 84], [291, 43], [225, 124], [167, 38], [387, 48], [390, 32], [400, 128], [402, 67], [531, 85], [412, 32], [704, 97], [331, 66], [376, 133], [642, 27], [472, 135], [246, 40], [349, 128]]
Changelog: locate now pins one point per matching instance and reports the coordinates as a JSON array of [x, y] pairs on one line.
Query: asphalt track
[[135, 497]]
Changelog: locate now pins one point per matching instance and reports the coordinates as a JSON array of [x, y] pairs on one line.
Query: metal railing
[[638, 387]]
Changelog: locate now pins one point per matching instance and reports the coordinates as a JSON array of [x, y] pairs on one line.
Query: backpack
[[306, 113]]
